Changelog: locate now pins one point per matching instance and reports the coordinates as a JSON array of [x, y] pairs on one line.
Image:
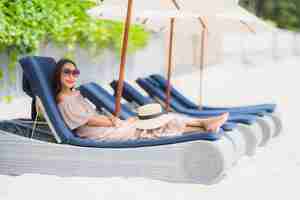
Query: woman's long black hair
[[57, 74]]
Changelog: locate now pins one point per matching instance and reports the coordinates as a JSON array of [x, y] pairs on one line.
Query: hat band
[[145, 117]]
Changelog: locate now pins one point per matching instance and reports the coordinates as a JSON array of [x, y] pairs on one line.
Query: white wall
[[249, 50]]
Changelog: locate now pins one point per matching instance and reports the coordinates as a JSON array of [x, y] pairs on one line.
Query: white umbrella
[[220, 16], [213, 12], [120, 12]]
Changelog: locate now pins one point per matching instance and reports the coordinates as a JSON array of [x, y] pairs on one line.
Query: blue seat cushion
[[187, 137]]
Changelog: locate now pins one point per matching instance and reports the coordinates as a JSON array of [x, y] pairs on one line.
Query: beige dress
[[76, 111]]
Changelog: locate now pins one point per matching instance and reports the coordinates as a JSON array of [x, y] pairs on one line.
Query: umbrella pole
[[123, 59], [202, 61], [169, 64], [203, 40]]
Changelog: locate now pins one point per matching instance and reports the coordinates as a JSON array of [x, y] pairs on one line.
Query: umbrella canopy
[[206, 7], [213, 12], [121, 12], [220, 16], [218, 12]]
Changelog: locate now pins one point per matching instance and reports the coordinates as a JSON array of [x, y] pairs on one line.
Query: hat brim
[[153, 123]]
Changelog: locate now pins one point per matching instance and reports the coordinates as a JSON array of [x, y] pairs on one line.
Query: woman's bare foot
[[215, 124]]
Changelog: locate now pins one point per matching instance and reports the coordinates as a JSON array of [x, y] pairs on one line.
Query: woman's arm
[[101, 120]]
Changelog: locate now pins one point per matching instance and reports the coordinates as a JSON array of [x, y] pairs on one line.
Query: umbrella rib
[[248, 26], [176, 4]]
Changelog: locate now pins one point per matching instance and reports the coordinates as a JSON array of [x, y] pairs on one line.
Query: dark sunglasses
[[74, 72]]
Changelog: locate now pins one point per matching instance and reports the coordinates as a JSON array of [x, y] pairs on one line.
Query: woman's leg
[[210, 124], [188, 129]]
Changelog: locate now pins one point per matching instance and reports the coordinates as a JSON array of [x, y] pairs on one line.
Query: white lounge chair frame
[[199, 161]]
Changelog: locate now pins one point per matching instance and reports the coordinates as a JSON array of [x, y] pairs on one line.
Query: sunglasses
[[74, 72]]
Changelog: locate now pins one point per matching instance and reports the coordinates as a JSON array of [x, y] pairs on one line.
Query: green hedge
[[25, 24]]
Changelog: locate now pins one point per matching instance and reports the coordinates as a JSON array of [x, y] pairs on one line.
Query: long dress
[[76, 111]]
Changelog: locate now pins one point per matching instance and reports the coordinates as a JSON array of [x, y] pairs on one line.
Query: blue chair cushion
[[101, 98], [188, 137], [252, 111], [189, 104], [131, 94], [39, 72], [154, 91]]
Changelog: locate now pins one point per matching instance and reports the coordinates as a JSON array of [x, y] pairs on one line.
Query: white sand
[[273, 173]]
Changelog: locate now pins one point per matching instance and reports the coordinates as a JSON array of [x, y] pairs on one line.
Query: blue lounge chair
[[162, 82], [40, 77], [100, 97], [264, 130], [251, 137], [213, 157], [268, 110], [155, 92], [132, 95]]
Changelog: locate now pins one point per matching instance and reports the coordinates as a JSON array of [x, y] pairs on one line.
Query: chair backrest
[[151, 88], [101, 98], [132, 94], [175, 93], [38, 73]]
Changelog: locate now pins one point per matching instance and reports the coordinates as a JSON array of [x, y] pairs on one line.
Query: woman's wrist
[[112, 120]]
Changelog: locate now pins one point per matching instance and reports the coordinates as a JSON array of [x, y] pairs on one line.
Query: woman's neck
[[66, 90]]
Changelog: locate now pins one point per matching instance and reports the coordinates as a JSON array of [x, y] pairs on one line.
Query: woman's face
[[69, 75]]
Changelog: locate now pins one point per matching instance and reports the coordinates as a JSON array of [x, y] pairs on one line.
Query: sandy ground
[[273, 173]]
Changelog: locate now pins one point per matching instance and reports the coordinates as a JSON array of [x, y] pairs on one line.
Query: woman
[[80, 115]]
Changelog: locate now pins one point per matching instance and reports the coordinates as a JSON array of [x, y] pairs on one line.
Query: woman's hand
[[116, 122], [103, 121]]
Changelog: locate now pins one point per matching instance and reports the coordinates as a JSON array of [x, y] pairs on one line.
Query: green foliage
[[7, 99], [40, 116], [1, 74], [25, 24], [283, 13], [137, 37]]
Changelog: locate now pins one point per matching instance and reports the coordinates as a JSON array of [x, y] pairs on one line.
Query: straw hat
[[151, 116]]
